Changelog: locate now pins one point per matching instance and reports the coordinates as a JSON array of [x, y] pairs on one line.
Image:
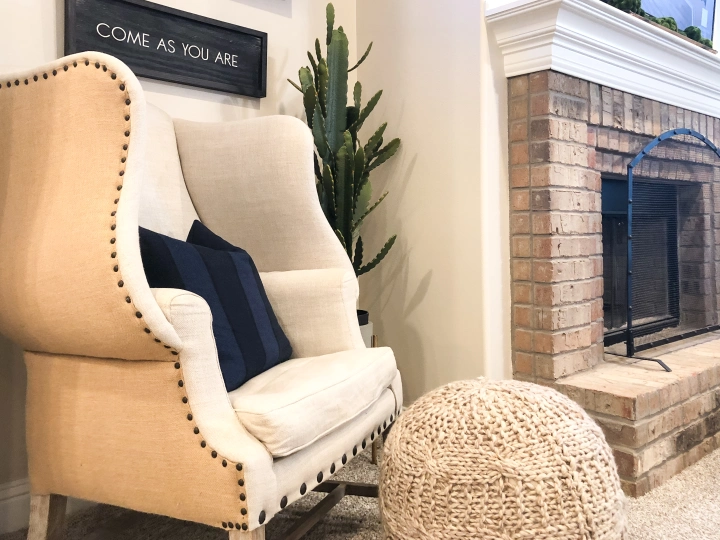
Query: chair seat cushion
[[295, 403]]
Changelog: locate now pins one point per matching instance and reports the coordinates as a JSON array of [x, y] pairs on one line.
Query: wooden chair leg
[[47, 517], [257, 534], [375, 449]]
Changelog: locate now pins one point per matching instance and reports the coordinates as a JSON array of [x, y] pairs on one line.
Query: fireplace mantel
[[593, 41]]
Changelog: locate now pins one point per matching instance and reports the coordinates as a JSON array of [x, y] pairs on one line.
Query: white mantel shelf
[[596, 42]]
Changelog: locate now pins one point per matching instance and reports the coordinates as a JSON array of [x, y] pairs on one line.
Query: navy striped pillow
[[248, 336]]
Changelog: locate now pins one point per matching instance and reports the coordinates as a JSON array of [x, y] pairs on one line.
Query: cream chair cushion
[[297, 402], [165, 205]]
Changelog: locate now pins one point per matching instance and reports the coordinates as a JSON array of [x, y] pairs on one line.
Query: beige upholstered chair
[[126, 404]]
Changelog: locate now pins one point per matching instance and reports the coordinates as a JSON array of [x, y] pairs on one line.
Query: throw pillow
[[247, 334]]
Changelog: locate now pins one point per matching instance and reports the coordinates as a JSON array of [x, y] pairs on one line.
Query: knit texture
[[499, 460]]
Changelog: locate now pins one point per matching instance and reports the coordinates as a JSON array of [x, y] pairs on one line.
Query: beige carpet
[[685, 508]]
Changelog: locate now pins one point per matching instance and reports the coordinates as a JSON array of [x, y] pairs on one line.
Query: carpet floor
[[687, 507]]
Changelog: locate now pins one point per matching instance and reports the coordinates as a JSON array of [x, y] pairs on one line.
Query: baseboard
[[15, 505]]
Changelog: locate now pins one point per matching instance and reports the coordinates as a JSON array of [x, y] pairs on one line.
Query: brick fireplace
[[588, 88], [566, 136]]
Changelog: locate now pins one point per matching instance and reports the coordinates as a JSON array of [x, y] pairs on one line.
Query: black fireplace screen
[[659, 243]]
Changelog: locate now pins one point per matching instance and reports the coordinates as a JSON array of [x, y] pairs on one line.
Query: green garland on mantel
[[634, 6]]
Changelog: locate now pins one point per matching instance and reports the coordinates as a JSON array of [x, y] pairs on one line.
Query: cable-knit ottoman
[[499, 460]]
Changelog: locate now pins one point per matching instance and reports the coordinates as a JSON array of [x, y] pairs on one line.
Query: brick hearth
[[564, 134]]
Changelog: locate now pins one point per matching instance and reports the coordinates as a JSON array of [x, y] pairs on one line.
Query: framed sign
[[167, 44]]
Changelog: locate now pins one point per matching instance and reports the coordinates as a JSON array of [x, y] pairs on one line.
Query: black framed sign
[[164, 43]]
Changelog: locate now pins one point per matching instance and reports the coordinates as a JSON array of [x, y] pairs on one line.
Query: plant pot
[[366, 327]]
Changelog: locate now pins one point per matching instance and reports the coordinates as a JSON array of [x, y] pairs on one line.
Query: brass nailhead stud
[[112, 240], [122, 173], [177, 365], [35, 78], [364, 444], [97, 65], [74, 64], [17, 83], [242, 497], [344, 459], [203, 444], [166, 346], [26, 81], [184, 399], [372, 436], [54, 72], [123, 159], [239, 467], [392, 417], [127, 134], [379, 430], [127, 102], [125, 147], [196, 431], [261, 517], [87, 62], [332, 469], [303, 489], [230, 525], [122, 87], [224, 524], [147, 330], [116, 268], [104, 68], [384, 425], [354, 450], [237, 525], [244, 527], [65, 68], [320, 477], [243, 511], [113, 213], [44, 75], [283, 502], [213, 454], [113, 76], [116, 201], [175, 353], [127, 299], [138, 315], [180, 383], [157, 340], [241, 482], [8, 84], [189, 416], [119, 187], [127, 117], [121, 283]]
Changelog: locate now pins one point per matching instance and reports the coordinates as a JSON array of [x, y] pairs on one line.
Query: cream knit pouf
[[499, 460]]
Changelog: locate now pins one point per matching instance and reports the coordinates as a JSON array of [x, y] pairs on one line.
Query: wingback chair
[[125, 400]]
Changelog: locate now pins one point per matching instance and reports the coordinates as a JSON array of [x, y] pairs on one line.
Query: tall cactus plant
[[342, 163]]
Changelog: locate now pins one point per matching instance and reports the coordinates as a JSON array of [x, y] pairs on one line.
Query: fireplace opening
[[655, 257], [671, 237]]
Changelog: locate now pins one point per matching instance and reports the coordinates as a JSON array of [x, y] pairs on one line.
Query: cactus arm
[[343, 194], [367, 110], [364, 56], [379, 257], [357, 259], [306, 78], [328, 184], [362, 217], [323, 81], [318, 131], [359, 171], [310, 103], [357, 95], [330, 13], [361, 204], [318, 51], [336, 114], [372, 143], [314, 66], [386, 153], [295, 85]]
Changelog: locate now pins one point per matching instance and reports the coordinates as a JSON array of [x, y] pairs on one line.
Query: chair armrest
[[211, 409], [253, 182], [71, 163], [316, 309]]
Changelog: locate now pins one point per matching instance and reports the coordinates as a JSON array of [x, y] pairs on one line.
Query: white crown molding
[[15, 505], [596, 42]]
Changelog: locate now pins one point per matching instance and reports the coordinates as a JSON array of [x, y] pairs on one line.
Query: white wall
[[441, 298], [31, 34]]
